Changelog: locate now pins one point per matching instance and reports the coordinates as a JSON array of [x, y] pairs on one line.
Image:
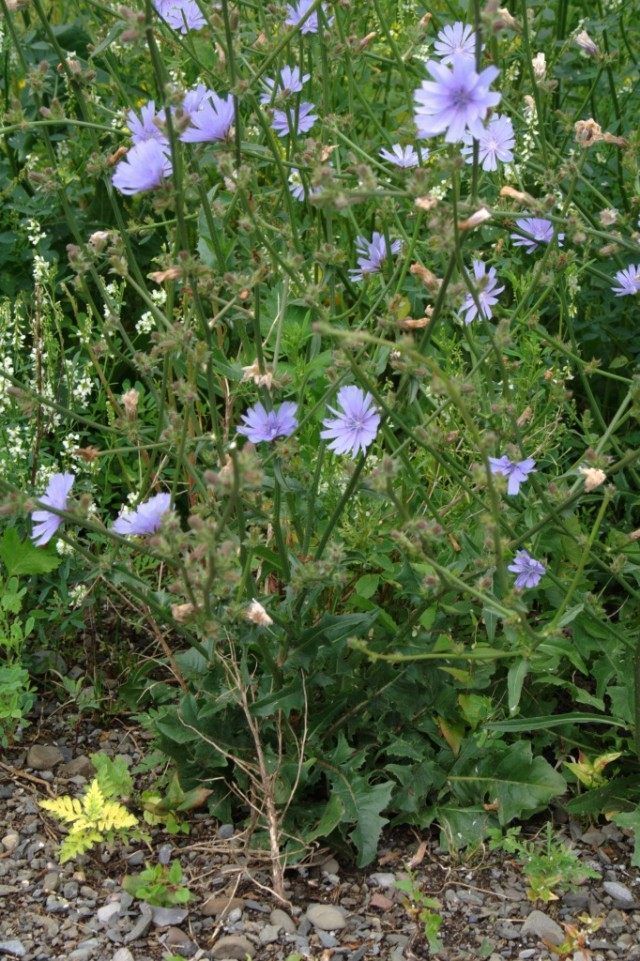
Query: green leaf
[[518, 725], [515, 781], [329, 821], [367, 585], [515, 679], [23, 557], [363, 803]]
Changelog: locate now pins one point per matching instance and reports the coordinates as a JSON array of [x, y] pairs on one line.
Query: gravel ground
[[79, 912]]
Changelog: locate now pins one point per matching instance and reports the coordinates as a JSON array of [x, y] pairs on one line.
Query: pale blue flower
[[261, 424], [486, 294], [46, 523], [517, 472], [143, 168], [402, 156], [355, 425], [456, 101], [145, 518], [529, 570]]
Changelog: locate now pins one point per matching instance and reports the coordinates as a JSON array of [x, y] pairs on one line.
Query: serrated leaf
[[23, 557], [631, 820], [516, 782], [363, 803], [330, 819]]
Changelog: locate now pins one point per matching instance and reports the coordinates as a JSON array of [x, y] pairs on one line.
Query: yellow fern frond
[[93, 802], [77, 843], [66, 808], [115, 817]]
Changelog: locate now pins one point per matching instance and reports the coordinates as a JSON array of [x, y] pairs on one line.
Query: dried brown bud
[[257, 614], [87, 453], [522, 198], [160, 276], [130, 403], [477, 218], [426, 203], [593, 477], [524, 417], [113, 158], [182, 612], [427, 277]]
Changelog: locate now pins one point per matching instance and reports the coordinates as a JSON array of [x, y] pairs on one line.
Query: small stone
[[269, 934], [543, 927], [619, 892], [233, 946], [142, 925], [379, 901], [616, 922], [331, 866], [327, 939], [281, 919], [15, 948], [164, 917], [123, 954], [7, 889], [164, 854], [382, 880], [80, 767], [107, 911], [234, 915], [43, 757], [219, 907], [175, 938], [326, 917], [226, 832], [85, 950], [70, 890], [136, 858], [50, 882], [11, 841]]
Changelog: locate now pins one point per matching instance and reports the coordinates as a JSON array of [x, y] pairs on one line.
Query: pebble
[[281, 919], [331, 866], [326, 917], [327, 939], [50, 882], [123, 954], [107, 911], [70, 890], [219, 907], [142, 925], [136, 858], [165, 917], [383, 880], [16, 948], [234, 946], [10, 841], [85, 950], [226, 832], [80, 767], [43, 757], [269, 933], [616, 922], [164, 853], [175, 938], [541, 926], [619, 892]]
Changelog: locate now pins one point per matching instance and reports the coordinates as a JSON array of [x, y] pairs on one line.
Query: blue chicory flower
[[354, 427], [145, 519], [291, 81], [529, 570], [144, 167], [495, 143], [294, 122], [144, 127], [405, 157], [536, 230], [212, 120], [517, 472], [182, 15], [373, 253], [261, 424], [456, 40], [46, 523], [456, 101], [628, 281], [295, 13], [487, 293]]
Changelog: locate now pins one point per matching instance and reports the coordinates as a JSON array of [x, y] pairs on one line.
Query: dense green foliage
[[390, 670]]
